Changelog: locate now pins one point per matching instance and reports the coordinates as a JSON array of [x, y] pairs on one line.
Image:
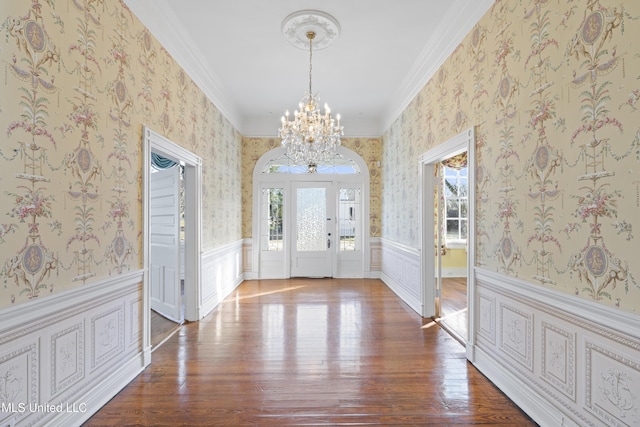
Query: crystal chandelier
[[310, 136]]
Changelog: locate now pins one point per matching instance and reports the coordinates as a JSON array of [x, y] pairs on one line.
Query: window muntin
[[456, 191], [272, 217], [350, 219]]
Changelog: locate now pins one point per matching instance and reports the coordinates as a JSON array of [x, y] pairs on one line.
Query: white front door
[[164, 259], [313, 234]]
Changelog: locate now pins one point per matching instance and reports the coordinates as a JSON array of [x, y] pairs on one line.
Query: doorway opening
[[447, 222], [310, 222], [166, 222], [171, 242]]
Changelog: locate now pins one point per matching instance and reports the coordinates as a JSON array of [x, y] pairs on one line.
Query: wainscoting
[[221, 273], [64, 356], [564, 360], [375, 259], [401, 272]]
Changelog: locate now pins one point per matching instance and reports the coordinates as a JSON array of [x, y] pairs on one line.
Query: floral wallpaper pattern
[[81, 77], [552, 88], [367, 148]]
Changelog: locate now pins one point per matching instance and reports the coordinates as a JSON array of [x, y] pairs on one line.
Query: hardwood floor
[[310, 352], [453, 307], [161, 329]]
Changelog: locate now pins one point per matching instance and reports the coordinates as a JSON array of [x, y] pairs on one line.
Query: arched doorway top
[[345, 162]]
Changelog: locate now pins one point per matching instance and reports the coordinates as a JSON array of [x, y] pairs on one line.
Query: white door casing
[[464, 141], [277, 264], [152, 141], [164, 257]]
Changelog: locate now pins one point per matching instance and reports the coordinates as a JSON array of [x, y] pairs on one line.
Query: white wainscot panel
[[107, 335], [564, 360], [401, 272], [19, 380], [375, 253], [516, 334], [221, 274], [63, 357], [486, 309], [612, 391], [67, 357], [558, 357]]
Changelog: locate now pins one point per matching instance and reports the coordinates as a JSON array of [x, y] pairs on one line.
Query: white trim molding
[[563, 359], [429, 259], [76, 349], [401, 272], [221, 274]]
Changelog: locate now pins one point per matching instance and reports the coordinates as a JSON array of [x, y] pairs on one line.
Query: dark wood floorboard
[[310, 352], [161, 329], [453, 307]]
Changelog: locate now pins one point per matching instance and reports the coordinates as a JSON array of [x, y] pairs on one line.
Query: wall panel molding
[[222, 272], [401, 272], [60, 351], [580, 365]]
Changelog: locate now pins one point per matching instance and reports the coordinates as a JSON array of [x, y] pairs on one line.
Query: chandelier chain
[[310, 35]]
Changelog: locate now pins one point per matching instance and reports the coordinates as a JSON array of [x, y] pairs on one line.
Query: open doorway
[[166, 224], [171, 204], [447, 223], [451, 222]]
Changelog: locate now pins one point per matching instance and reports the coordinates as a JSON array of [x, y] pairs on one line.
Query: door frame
[[464, 141], [154, 142], [261, 181]]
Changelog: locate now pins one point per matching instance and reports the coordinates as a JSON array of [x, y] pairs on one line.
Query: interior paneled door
[[164, 256], [313, 248]]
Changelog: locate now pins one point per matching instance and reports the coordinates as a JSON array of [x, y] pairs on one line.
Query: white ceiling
[[235, 52]]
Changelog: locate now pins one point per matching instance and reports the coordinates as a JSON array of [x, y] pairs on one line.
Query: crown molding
[[433, 55], [174, 39]]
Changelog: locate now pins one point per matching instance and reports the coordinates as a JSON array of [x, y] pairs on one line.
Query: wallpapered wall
[[80, 78], [369, 149], [552, 87]]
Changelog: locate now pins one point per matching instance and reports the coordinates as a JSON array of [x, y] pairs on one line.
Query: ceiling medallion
[[310, 136], [296, 26]]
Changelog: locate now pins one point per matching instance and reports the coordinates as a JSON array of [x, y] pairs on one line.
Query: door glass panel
[[272, 216], [311, 219], [350, 217]]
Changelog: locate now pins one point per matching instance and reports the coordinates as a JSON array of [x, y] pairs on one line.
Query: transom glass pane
[[272, 216], [311, 219], [336, 165], [350, 219]]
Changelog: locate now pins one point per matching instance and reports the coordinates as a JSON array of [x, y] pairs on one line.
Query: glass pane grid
[[349, 219], [455, 193], [272, 219]]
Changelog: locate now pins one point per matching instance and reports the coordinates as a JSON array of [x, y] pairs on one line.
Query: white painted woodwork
[[430, 258], [279, 264], [75, 348], [192, 217], [164, 259]]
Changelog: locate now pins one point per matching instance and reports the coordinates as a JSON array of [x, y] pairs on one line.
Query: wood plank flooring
[[310, 352], [453, 307]]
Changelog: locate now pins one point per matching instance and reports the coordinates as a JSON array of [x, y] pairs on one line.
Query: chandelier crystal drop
[[310, 136]]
